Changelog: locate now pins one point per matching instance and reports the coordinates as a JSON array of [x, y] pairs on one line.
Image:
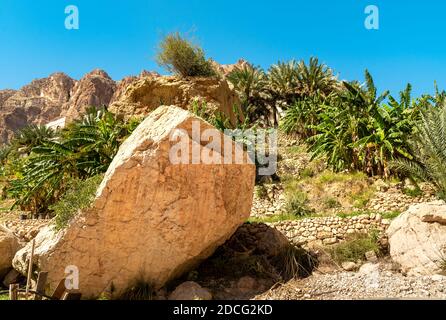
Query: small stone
[[329, 241], [371, 256], [368, 268], [190, 291], [438, 277], [246, 284], [349, 266]]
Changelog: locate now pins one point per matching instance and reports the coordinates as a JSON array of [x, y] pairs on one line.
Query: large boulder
[[150, 218], [417, 239], [147, 92], [9, 245]]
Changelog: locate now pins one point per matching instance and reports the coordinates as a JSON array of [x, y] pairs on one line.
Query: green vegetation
[[4, 297], [261, 191], [356, 131], [355, 248], [385, 215], [413, 192], [349, 124], [361, 199], [332, 177], [41, 163], [390, 215], [276, 218], [264, 93], [79, 196], [297, 203], [251, 85], [307, 173], [331, 203], [428, 148], [182, 57]]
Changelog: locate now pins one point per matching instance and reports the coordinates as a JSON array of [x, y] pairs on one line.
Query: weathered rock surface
[[417, 238], [36, 103], [149, 91], [150, 217], [94, 89], [225, 69], [9, 245], [190, 291], [57, 96], [47, 99]]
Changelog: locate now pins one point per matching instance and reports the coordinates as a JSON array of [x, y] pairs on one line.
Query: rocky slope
[[47, 99]]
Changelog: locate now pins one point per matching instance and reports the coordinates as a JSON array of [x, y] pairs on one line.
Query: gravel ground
[[370, 282]]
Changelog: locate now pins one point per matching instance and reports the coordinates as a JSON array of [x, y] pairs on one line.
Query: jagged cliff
[[57, 96]]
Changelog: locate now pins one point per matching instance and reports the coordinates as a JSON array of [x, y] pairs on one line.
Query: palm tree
[[30, 136], [315, 78], [428, 148], [250, 83], [84, 149], [283, 81]]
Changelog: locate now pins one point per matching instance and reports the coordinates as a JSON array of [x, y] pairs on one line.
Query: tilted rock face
[[47, 99], [36, 103], [147, 93], [121, 86], [417, 238], [225, 69], [5, 95], [94, 89], [151, 218], [9, 245]]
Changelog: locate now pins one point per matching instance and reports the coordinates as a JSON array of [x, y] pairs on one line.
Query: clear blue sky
[[121, 36]]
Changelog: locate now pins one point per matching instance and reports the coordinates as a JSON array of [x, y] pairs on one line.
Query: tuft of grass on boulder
[[79, 196], [180, 56]]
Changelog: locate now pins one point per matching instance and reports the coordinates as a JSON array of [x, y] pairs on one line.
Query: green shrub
[[428, 147], [302, 116], [331, 203], [390, 215], [413, 192], [82, 150], [357, 131], [296, 205], [261, 191], [183, 58], [79, 196], [307, 173], [355, 248]]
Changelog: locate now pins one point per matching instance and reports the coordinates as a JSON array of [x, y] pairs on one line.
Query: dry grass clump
[[183, 58]]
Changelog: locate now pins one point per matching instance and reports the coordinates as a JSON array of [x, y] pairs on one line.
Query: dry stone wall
[[329, 230]]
